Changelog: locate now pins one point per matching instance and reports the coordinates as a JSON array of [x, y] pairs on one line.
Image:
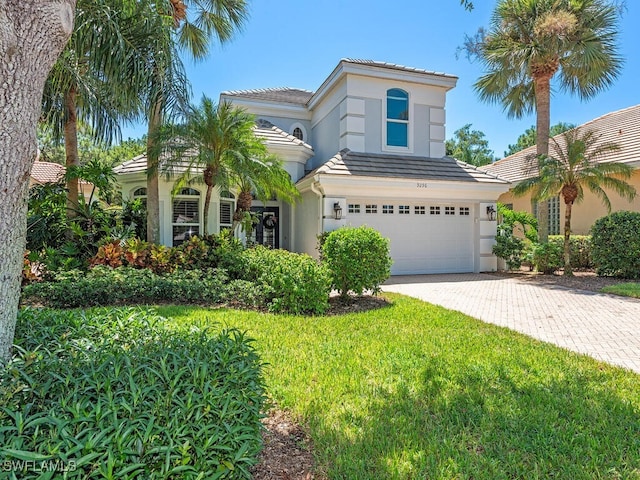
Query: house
[[366, 148], [46, 172], [621, 127]]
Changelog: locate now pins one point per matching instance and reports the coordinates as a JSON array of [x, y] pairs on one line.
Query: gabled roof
[[46, 172], [447, 169], [294, 96], [621, 127]]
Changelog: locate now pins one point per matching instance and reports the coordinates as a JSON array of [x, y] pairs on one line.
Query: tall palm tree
[[99, 77], [575, 164], [213, 140], [195, 23], [530, 42]]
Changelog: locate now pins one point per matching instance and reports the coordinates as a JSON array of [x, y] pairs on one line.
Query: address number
[[421, 185]]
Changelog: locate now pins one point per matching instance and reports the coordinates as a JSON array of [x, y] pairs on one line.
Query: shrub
[[291, 282], [509, 247], [357, 258], [112, 394], [580, 250], [615, 245], [103, 286], [547, 257]]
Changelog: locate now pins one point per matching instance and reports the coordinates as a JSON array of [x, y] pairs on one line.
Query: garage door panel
[[423, 243]]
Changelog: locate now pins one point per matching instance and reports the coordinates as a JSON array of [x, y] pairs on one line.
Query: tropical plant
[[215, 146], [575, 164], [517, 230], [99, 78], [194, 23], [258, 173], [469, 146], [529, 42], [528, 138]]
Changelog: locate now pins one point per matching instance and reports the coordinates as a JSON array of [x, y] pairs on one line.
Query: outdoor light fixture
[[491, 212], [337, 211]]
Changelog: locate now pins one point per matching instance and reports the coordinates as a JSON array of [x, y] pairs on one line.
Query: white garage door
[[424, 237]]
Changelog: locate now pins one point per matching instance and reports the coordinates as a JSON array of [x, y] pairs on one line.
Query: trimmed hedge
[[112, 394], [103, 286], [615, 245], [357, 258], [580, 250], [291, 282]]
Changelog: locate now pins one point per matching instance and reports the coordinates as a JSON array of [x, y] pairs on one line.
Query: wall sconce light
[[337, 211], [491, 212]]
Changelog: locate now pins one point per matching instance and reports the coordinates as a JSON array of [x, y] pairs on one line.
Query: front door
[[267, 230]]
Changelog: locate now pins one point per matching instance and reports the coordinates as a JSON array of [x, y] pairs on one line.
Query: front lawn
[[414, 391], [624, 289]]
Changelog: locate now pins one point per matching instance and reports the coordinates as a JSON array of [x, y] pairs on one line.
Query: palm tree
[[98, 78], [576, 163], [259, 174], [194, 24], [529, 42], [207, 147]]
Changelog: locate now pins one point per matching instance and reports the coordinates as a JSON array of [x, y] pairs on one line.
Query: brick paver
[[606, 327]]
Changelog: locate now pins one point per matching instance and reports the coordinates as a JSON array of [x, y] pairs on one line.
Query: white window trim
[[391, 148], [199, 223], [305, 138]]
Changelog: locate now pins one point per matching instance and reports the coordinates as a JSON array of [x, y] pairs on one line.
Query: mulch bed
[[582, 280]]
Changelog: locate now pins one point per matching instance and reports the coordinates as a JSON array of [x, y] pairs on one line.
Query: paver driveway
[[605, 327]]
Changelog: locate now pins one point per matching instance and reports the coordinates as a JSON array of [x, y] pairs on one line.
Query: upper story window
[[397, 118], [297, 132]]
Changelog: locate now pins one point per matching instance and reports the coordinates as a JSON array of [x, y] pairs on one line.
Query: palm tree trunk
[[567, 239], [205, 213], [543, 120], [71, 148], [153, 165]]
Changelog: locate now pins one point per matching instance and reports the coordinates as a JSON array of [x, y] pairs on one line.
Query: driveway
[[606, 327]]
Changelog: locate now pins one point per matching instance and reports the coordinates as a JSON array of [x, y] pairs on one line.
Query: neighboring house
[[46, 172], [366, 148], [621, 127]]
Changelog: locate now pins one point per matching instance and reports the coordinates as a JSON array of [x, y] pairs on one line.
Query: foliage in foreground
[[113, 394], [358, 259], [615, 245], [416, 391]]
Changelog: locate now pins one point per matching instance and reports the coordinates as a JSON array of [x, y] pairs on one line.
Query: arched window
[[140, 193], [297, 132], [186, 215], [227, 207], [397, 118]]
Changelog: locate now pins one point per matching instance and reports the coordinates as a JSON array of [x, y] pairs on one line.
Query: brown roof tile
[[621, 127], [46, 172]]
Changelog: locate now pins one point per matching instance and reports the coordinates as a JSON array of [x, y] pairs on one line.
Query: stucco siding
[[421, 126], [327, 138], [307, 224], [585, 213]]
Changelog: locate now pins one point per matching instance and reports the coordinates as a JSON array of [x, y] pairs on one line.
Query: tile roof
[[621, 127], [46, 172], [295, 96], [394, 66], [273, 135], [448, 169]]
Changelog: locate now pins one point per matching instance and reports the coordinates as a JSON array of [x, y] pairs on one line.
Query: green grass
[[624, 289], [414, 391]]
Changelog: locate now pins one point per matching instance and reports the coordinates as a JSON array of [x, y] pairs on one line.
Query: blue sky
[[297, 43]]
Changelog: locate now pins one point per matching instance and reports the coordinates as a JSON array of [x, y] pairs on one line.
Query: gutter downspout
[[314, 189]]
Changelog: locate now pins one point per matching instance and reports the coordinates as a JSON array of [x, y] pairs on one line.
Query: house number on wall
[[421, 185]]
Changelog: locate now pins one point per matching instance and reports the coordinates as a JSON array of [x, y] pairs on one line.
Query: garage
[[425, 237]]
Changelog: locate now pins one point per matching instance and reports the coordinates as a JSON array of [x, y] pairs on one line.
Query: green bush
[[357, 258], [615, 245], [103, 286], [291, 282], [580, 250], [509, 247], [547, 257], [112, 394]]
